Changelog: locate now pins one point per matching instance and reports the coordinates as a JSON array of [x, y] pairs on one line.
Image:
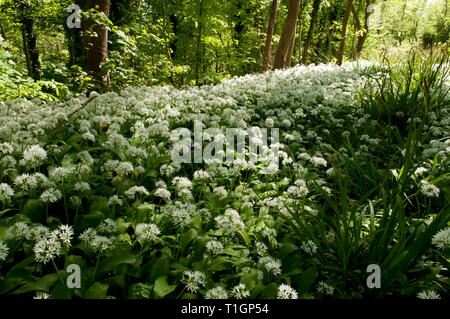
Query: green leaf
[[306, 280], [96, 291], [162, 288], [119, 256], [245, 237], [34, 210], [270, 291], [186, 239], [160, 267], [42, 284]]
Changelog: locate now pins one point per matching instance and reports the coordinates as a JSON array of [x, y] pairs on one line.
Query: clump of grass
[[410, 89]]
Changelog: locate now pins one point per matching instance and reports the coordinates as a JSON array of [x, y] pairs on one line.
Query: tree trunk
[[95, 48], [315, 13], [362, 37], [283, 50], [357, 28], [300, 33], [199, 43], [26, 51], [291, 50], [340, 54], [270, 28], [30, 47], [2, 32]]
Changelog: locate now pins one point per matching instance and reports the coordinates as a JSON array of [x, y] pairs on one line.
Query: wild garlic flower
[[230, 222], [75, 201], [81, 187], [147, 232], [107, 226], [101, 244], [240, 291], [6, 192], [6, 148], [51, 195], [60, 173], [221, 192], [419, 171], [4, 250], [63, 233], [131, 193], [261, 248], [162, 193], [216, 293], [19, 230], [47, 249], [318, 161], [33, 156], [271, 265], [286, 292], [428, 294], [37, 232], [299, 190], [26, 182], [214, 247], [41, 295], [183, 186], [88, 235], [309, 247], [115, 200], [428, 189], [442, 239], [193, 280], [325, 289]]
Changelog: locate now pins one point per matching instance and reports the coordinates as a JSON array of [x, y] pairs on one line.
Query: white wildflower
[[147, 232], [286, 292], [442, 238], [216, 293], [240, 291]]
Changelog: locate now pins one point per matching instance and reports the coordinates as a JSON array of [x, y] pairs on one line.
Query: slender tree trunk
[[314, 14], [30, 47], [2, 32], [199, 43], [300, 33], [357, 28], [270, 28], [283, 50], [362, 37], [340, 54], [95, 48], [26, 51], [291, 50]]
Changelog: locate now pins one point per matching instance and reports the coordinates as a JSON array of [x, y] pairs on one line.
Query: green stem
[[61, 279], [65, 203], [95, 269]]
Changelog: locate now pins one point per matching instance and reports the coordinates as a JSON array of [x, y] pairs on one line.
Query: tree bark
[[30, 47], [291, 50], [362, 37], [2, 32], [26, 51], [314, 14], [270, 28], [95, 48], [199, 43], [340, 54], [283, 50]]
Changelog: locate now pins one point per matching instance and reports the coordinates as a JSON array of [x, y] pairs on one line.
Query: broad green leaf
[[96, 291], [162, 288]]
